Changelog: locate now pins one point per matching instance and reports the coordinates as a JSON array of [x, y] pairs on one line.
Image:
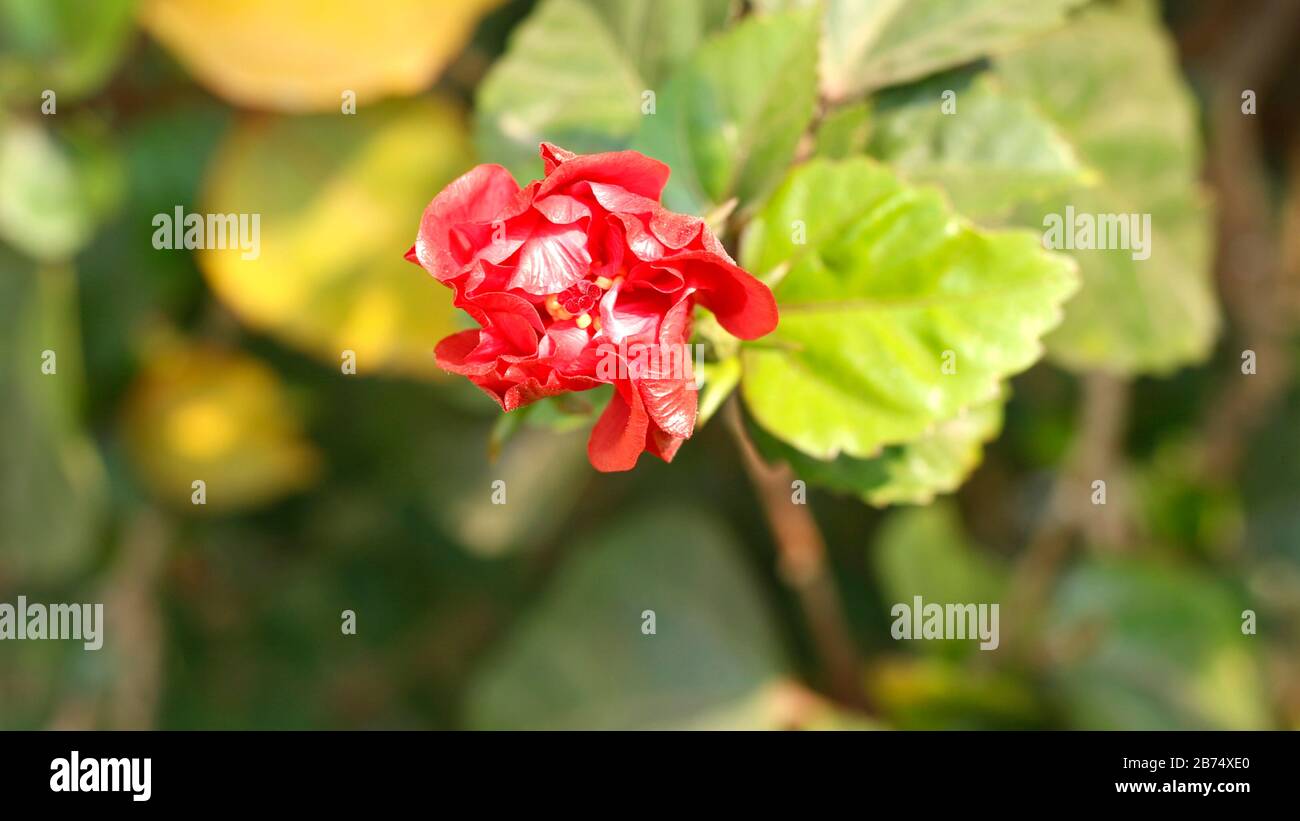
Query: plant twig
[[1094, 454], [802, 565]]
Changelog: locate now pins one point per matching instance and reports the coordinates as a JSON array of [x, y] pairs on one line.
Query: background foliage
[[330, 492]]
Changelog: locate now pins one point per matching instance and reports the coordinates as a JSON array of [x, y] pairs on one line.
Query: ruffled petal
[[477, 196], [742, 304], [551, 259], [619, 436], [632, 170]]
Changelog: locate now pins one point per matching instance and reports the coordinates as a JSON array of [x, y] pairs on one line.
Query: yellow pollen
[[603, 283], [595, 323], [584, 320]]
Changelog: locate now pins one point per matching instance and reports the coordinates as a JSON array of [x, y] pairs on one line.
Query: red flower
[[583, 278]]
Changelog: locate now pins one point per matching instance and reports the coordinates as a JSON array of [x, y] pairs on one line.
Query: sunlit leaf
[[1111, 83], [938, 462], [55, 186], [895, 314], [301, 55], [339, 200], [990, 151], [223, 418]]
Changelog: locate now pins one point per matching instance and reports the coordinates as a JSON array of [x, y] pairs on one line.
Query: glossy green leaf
[[729, 120], [581, 660], [988, 150], [1111, 82], [869, 44], [895, 314], [913, 473]]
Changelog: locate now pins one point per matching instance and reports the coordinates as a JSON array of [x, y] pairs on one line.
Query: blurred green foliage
[[373, 493]]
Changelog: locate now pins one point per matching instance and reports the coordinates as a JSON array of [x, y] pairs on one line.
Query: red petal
[[743, 305], [553, 155], [619, 435], [663, 445], [632, 170], [551, 259], [480, 195], [631, 312]]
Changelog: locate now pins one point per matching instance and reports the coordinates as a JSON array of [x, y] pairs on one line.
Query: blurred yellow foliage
[[199, 413], [339, 199], [301, 55]]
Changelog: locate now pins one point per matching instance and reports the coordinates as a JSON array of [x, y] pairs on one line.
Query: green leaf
[[1143, 645], [544, 469], [720, 379], [895, 313], [924, 552], [66, 46], [52, 476], [334, 195], [729, 121], [1111, 83], [565, 78], [844, 132], [55, 188], [660, 35], [581, 660], [990, 153], [943, 692], [913, 473], [869, 44]]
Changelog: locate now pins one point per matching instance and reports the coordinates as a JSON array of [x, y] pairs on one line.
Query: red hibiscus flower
[[579, 279]]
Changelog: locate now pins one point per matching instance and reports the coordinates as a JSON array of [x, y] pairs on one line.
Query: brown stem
[[802, 565], [132, 599], [1251, 248], [1069, 511]]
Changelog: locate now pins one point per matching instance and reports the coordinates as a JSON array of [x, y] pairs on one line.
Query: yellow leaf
[[338, 201], [220, 417], [301, 55]]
